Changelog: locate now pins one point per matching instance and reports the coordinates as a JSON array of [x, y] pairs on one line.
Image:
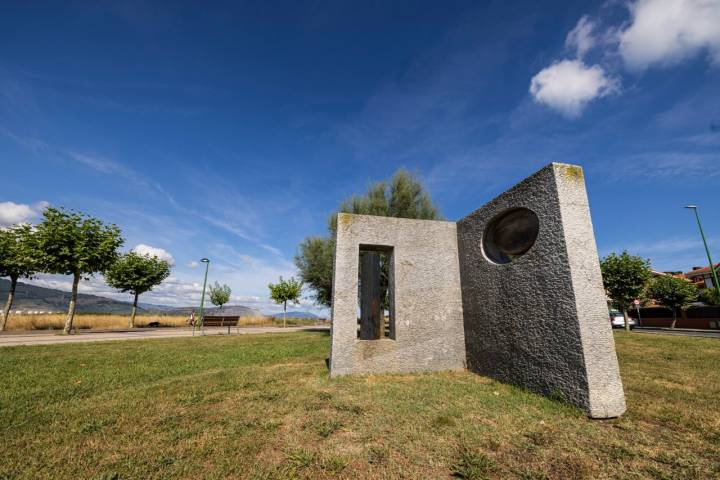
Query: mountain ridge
[[34, 298]]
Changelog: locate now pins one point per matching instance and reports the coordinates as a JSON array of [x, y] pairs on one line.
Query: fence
[[693, 317]]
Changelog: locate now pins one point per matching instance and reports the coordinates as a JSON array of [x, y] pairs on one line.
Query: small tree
[[137, 274], [673, 293], [286, 291], [709, 296], [219, 294], [17, 260], [624, 277], [71, 243]]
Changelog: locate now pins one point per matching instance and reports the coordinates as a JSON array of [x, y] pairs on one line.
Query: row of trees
[[71, 243], [628, 278]]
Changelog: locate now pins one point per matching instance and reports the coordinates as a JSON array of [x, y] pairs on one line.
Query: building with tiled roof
[[702, 276]]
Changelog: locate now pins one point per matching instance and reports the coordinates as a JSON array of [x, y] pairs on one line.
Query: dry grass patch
[[56, 321], [263, 407]]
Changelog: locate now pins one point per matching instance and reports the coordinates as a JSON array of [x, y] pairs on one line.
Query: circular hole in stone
[[510, 235]]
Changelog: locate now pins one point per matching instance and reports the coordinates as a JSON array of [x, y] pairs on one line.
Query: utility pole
[[694, 208], [202, 299]]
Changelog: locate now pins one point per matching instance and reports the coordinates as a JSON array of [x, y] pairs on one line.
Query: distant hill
[[295, 315], [33, 298]]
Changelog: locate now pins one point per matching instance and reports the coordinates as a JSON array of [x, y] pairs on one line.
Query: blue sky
[[233, 130]]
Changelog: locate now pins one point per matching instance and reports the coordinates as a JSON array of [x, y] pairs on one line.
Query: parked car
[[618, 321]]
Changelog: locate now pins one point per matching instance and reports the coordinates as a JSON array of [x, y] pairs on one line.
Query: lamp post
[[694, 208], [202, 299]]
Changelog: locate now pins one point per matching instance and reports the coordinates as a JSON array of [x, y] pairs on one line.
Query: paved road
[[8, 339], [685, 332]]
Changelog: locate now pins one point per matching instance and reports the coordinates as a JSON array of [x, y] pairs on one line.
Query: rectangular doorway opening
[[376, 293]]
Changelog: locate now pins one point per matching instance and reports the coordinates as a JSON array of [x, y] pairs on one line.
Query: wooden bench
[[221, 321]]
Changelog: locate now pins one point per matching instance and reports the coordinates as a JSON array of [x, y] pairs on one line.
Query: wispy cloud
[[663, 165], [223, 206], [581, 39], [96, 163]]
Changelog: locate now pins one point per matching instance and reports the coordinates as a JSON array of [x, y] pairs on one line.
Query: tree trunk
[[8, 304], [627, 323], [672, 325], [134, 311], [284, 312], [73, 301]]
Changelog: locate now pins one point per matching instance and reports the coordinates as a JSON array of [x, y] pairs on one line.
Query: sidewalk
[[688, 332], [45, 337]]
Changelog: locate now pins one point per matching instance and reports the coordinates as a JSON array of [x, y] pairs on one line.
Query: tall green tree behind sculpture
[[17, 260], [71, 243], [673, 293], [137, 274], [403, 196], [286, 291], [624, 278]]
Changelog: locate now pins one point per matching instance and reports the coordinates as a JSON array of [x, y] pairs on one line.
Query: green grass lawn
[[263, 407]]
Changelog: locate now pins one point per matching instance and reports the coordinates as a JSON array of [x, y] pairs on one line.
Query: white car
[[618, 321]]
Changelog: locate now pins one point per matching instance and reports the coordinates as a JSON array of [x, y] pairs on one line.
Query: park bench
[[221, 321]]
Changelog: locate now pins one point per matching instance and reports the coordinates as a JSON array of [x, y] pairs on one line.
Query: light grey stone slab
[[427, 306], [541, 321]]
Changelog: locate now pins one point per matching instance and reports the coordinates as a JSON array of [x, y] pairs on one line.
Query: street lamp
[[694, 208], [202, 299]]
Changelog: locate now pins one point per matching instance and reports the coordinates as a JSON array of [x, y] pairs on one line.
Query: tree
[[402, 197], [219, 294], [137, 274], [624, 277], [17, 260], [673, 293], [72, 243], [315, 263], [709, 296], [286, 291]]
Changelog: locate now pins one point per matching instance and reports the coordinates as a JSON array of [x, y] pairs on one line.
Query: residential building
[[702, 276]]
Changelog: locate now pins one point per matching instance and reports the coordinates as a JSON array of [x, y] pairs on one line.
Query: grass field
[[262, 407], [56, 321]]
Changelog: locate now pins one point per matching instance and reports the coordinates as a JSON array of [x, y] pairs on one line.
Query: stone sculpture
[[512, 291]]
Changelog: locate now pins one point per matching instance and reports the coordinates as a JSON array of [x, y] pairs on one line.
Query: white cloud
[[192, 264], [162, 254], [12, 213], [665, 32], [581, 38], [569, 85], [664, 165]]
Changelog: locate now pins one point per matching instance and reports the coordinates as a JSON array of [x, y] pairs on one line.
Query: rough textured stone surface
[[541, 320], [427, 304]]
